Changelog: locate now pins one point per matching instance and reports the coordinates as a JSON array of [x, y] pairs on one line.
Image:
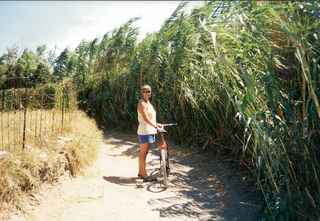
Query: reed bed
[[239, 77]]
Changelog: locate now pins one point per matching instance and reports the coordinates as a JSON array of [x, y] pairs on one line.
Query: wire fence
[[29, 116]]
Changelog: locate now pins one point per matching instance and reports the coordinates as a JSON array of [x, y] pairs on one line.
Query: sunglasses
[[146, 92]]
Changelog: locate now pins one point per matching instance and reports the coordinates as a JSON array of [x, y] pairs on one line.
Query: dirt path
[[200, 189]]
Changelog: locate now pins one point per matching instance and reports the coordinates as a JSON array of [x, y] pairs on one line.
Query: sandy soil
[[201, 188]]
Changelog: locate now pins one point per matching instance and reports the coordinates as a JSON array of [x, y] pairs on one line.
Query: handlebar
[[168, 125], [162, 130]]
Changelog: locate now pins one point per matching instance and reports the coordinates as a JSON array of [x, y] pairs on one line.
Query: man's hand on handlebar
[[159, 126]]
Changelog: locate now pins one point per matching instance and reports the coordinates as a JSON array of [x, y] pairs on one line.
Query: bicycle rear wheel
[[163, 167]]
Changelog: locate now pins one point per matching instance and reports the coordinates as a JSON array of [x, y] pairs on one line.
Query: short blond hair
[[146, 86]]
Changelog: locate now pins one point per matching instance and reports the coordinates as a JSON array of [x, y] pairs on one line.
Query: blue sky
[[30, 24]]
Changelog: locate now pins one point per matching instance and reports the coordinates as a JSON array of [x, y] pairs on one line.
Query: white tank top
[[144, 128]]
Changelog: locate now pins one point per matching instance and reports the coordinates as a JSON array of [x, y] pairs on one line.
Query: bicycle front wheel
[[163, 167]]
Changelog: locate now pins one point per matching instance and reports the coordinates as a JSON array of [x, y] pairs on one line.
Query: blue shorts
[[149, 138]]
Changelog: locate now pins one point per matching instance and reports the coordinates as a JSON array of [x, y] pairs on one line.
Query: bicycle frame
[[164, 155]]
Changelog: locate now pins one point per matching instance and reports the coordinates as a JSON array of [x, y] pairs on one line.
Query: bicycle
[[164, 154]]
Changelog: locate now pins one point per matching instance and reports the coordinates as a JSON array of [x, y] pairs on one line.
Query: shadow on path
[[211, 187], [123, 141], [204, 187], [125, 181]]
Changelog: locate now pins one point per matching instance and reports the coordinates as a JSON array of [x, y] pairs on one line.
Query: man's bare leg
[[144, 148]]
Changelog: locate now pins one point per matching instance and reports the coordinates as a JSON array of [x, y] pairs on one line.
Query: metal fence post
[[24, 119], [2, 111], [62, 108]]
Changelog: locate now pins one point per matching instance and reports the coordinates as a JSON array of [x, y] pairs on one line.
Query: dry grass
[[46, 159], [82, 149], [40, 126]]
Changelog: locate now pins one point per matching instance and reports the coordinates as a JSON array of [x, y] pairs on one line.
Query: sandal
[[147, 178]]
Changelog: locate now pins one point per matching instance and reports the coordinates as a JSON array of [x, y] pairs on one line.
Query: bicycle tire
[[164, 167]]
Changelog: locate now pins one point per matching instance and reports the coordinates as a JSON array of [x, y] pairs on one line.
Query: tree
[[41, 50], [63, 66], [30, 69]]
